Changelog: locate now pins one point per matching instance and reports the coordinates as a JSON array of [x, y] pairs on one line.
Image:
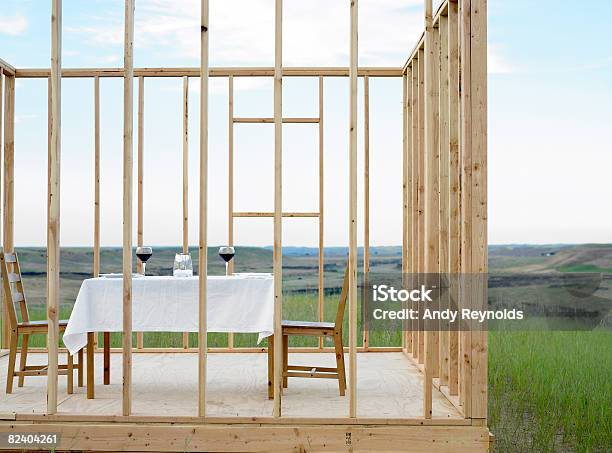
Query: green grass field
[[551, 391], [548, 390]]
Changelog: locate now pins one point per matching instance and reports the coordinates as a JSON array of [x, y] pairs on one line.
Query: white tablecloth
[[241, 303]]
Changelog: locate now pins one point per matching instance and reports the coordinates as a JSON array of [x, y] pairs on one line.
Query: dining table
[[238, 303]]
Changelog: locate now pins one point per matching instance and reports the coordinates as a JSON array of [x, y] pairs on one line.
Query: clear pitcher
[[183, 266]]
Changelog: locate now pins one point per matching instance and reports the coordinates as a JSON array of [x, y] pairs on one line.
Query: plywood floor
[[166, 384]]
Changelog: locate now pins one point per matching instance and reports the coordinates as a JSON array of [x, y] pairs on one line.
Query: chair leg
[[271, 367], [340, 362], [285, 360], [11, 365], [70, 370], [23, 358], [80, 368]]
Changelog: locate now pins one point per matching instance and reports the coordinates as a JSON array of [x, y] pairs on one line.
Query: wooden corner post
[[3, 311], [474, 260], [9, 179], [53, 212], [203, 245], [353, 211], [128, 151], [278, 205]]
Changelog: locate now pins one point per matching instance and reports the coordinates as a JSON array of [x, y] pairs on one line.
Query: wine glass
[[143, 254], [227, 253]]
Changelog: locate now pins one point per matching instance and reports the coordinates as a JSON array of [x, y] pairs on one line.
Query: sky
[[550, 104]]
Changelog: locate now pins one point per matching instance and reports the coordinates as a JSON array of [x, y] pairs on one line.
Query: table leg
[[90, 365], [80, 368], [106, 358], [271, 367]]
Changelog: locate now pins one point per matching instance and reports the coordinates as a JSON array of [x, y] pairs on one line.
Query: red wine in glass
[[144, 254], [226, 254]]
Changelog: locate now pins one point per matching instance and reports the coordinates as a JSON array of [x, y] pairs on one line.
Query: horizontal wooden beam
[[254, 437], [271, 120], [7, 69], [223, 350], [420, 45], [178, 419], [213, 72], [271, 214]]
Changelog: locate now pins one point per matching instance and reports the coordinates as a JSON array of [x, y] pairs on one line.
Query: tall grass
[[551, 391]]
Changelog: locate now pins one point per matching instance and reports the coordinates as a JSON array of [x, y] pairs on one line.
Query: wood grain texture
[[203, 205], [4, 332], [96, 238], [230, 184], [140, 176], [219, 437], [321, 257], [414, 192], [366, 193], [478, 80], [214, 72], [421, 192], [277, 259], [353, 301], [455, 185], [444, 176], [185, 192], [128, 150], [167, 385], [53, 203]]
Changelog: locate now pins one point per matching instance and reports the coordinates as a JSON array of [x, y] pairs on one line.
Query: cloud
[[496, 61], [315, 33], [13, 25], [25, 117]]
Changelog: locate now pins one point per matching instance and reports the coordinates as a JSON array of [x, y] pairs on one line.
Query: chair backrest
[[13, 288], [343, 297]]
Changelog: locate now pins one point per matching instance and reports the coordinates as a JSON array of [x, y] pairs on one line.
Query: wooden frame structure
[[444, 231]]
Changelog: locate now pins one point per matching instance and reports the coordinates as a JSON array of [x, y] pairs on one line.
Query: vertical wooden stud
[[230, 183], [230, 170], [353, 67], [455, 186], [140, 219], [278, 205], [431, 237], [410, 182], [421, 195], [4, 335], [3, 312], [474, 151], [321, 211], [93, 338], [185, 164], [414, 192], [366, 195], [96, 238], [203, 244], [185, 180], [444, 168], [128, 144], [53, 212], [405, 201]]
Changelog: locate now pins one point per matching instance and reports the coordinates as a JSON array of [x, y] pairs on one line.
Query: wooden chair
[[317, 329], [14, 294]]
